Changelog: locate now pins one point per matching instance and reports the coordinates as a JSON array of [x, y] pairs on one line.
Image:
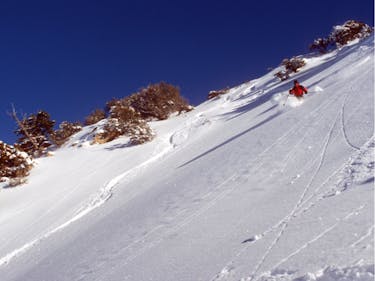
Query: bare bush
[[120, 109], [129, 116], [321, 45], [349, 31], [124, 120], [34, 132], [293, 64], [94, 117], [216, 93], [158, 101], [65, 131], [136, 129], [282, 75], [13, 163], [290, 65], [342, 35]]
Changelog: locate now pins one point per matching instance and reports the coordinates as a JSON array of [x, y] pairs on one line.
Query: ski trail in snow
[[319, 236], [343, 122], [184, 222], [369, 233], [212, 202], [228, 265], [141, 245], [296, 207], [312, 196], [303, 138], [334, 191], [96, 201], [56, 204]]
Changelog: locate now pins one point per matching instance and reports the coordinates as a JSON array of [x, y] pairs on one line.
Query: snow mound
[[190, 128], [331, 273], [353, 273]]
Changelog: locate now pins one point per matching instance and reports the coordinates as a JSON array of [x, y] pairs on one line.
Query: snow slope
[[241, 188]]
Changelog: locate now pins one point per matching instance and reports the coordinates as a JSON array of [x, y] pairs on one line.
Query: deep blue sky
[[70, 57]]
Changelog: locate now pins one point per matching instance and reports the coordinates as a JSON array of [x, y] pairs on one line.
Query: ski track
[[369, 233], [103, 195], [185, 222], [297, 206], [213, 201], [343, 122], [323, 196], [290, 215], [316, 238], [287, 158], [96, 201]]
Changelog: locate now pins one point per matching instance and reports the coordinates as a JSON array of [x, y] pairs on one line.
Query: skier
[[298, 90]]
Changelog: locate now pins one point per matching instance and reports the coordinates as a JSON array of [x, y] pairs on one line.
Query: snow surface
[[248, 186]]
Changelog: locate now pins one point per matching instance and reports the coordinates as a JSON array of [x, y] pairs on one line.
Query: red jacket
[[298, 90]]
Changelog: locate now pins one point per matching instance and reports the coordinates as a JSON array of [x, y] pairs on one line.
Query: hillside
[[240, 188]]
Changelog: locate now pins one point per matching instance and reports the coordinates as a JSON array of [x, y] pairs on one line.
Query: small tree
[[216, 93], [290, 65], [124, 120], [349, 31], [94, 117], [341, 35], [14, 164], [321, 45], [34, 132], [282, 75], [293, 64], [129, 116], [137, 130], [157, 101], [66, 130]]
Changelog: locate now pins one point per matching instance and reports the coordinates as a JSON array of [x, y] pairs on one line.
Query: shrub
[[124, 120], [66, 130], [34, 133], [157, 101], [137, 129], [350, 30], [14, 164], [216, 93], [290, 65], [128, 116], [282, 75], [119, 109], [321, 45], [341, 35], [95, 117], [293, 64]]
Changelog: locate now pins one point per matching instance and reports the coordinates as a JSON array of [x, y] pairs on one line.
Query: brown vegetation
[[157, 101], [94, 117], [129, 116], [66, 130], [342, 35], [34, 132], [13, 163], [216, 93], [290, 65]]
